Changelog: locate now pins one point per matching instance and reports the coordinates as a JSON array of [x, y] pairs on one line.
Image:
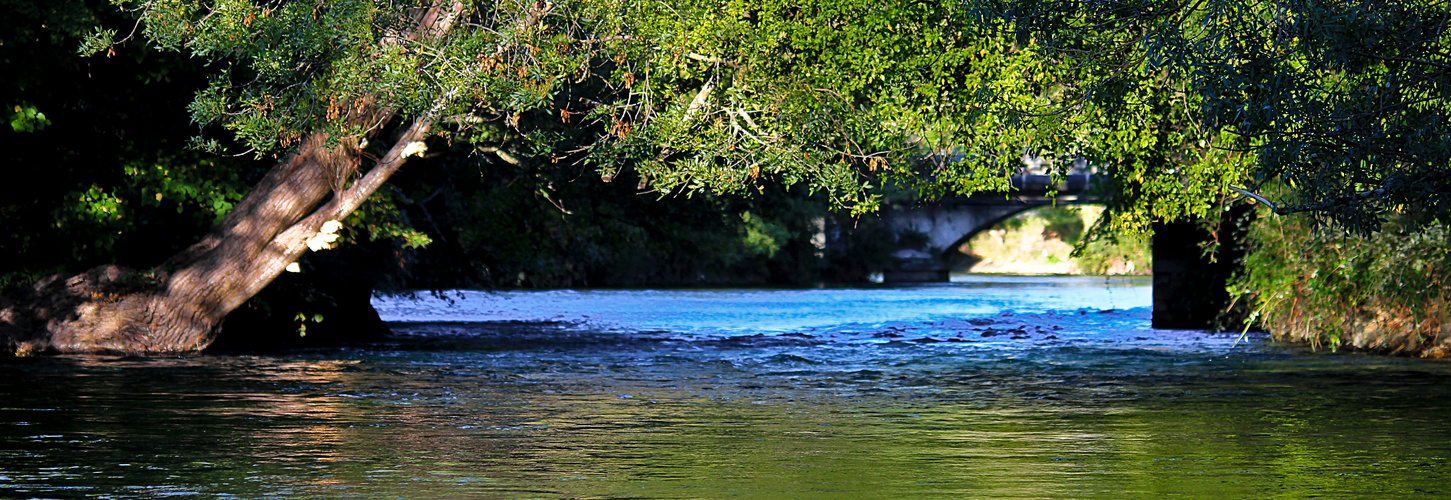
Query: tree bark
[[177, 306]]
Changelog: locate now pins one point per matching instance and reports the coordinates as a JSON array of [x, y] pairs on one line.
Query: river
[[983, 388]]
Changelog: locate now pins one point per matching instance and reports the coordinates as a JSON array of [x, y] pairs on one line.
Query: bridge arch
[[948, 223]]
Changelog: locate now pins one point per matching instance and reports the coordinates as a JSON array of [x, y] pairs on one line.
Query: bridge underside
[[934, 235]]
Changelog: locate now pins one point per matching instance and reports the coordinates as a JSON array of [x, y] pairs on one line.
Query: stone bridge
[[1189, 285], [949, 222]]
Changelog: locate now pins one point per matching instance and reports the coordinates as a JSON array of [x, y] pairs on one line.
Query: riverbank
[[1384, 293]]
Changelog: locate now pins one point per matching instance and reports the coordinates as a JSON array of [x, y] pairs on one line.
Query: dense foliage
[[1344, 103], [691, 95], [1172, 102], [719, 96]]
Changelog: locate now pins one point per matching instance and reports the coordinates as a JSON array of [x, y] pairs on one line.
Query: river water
[[985, 388]]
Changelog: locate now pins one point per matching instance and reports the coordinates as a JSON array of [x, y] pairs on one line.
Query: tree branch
[[1273, 208]]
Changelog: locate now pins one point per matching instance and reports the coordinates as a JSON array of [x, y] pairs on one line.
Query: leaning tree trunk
[[177, 307]]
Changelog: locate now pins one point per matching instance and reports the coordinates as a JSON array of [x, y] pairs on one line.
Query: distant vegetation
[[532, 226], [1043, 241]]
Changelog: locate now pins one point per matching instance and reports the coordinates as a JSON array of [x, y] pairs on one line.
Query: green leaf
[[96, 42], [26, 118]]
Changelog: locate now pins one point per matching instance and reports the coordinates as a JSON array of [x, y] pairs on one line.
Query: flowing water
[[989, 388]]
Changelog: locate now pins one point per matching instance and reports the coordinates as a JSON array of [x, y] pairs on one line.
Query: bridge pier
[[1189, 286], [917, 271]]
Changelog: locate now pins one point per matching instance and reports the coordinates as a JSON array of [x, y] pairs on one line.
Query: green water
[[1078, 405]]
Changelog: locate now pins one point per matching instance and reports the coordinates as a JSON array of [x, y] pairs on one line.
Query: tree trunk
[[177, 306]]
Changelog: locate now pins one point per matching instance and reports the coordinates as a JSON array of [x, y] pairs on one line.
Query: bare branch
[[1273, 208], [503, 155], [699, 101]]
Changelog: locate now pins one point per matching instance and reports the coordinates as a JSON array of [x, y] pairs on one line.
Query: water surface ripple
[[992, 388]]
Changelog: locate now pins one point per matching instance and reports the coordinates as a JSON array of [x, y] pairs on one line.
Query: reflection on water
[[713, 394]]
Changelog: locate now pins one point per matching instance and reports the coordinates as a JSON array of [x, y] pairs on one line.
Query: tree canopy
[[1344, 104], [1176, 103], [689, 95]]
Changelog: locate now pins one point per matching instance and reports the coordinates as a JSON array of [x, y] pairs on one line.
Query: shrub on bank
[[1383, 293]]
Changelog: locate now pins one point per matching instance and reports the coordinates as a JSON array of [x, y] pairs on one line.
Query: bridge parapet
[[1071, 188]]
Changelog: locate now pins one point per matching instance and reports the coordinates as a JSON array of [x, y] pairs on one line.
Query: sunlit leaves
[[725, 96], [204, 187], [742, 92], [380, 218], [180, 183], [25, 117], [97, 41], [719, 96], [292, 67]]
